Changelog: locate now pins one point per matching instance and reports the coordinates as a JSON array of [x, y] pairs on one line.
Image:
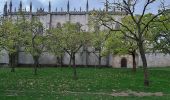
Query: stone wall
[[82, 58], [156, 60]]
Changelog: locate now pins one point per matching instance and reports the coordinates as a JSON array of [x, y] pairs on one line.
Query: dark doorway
[[124, 63]]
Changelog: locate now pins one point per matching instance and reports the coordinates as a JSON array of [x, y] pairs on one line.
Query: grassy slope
[[51, 83]]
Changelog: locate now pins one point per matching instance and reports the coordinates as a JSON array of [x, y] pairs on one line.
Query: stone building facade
[[53, 18]]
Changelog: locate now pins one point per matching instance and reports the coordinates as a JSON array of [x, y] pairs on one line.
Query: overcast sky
[[74, 4]]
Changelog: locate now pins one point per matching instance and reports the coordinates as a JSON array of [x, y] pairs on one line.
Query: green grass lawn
[[92, 84]]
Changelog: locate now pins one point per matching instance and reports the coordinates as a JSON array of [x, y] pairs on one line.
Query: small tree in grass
[[99, 35], [35, 42], [69, 38], [12, 38], [99, 38], [98, 43], [54, 44]]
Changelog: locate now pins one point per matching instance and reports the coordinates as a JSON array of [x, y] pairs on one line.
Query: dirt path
[[123, 93], [115, 93], [139, 94]]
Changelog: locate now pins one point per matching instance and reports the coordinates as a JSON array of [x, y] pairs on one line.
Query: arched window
[[124, 63]]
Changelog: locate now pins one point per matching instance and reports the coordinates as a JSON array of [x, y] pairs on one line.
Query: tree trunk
[[100, 60], [74, 67], [61, 61], [70, 60], [11, 62], [58, 62], [134, 61], [36, 65], [100, 57], [87, 58], [144, 61], [17, 58]]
